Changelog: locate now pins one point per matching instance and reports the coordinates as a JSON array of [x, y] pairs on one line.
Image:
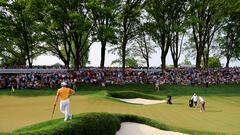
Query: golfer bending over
[[202, 102], [64, 93]]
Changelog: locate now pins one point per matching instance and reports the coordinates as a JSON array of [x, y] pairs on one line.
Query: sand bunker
[[131, 128], [142, 101]]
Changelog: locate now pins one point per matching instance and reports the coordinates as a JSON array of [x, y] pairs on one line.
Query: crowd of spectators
[[102, 77]]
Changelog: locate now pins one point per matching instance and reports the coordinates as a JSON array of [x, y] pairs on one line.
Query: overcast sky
[[95, 57]]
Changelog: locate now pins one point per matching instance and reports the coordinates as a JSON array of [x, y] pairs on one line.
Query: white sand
[[131, 128], [142, 101]]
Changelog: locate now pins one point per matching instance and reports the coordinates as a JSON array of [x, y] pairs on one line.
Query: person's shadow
[[213, 110]]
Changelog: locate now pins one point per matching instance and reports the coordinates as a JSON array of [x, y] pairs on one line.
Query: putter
[[53, 111]]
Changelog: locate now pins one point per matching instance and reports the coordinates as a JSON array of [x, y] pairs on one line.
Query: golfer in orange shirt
[[64, 93]]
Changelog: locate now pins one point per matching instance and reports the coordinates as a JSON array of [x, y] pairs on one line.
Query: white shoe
[[70, 117]]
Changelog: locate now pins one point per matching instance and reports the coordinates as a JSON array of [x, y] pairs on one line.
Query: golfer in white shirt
[[195, 99]]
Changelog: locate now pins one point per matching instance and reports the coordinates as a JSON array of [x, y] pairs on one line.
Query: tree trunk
[[29, 58], [66, 65], [124, 44], [165, 47], [198, 59], [175, 63], [147, 60], [123, 55], [174, 50], [67, 50], [200, 50], [29, 63], [206, 57], [77, 57], [163, 59], [228, 61], [76, 63], [103, 49]]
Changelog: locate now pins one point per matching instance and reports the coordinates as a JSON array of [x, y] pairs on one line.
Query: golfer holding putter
[[64, 93]]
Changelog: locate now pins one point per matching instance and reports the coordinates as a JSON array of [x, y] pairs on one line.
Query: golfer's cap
[[63, 84]]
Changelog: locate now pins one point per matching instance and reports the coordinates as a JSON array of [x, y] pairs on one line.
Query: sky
[[95, 57]]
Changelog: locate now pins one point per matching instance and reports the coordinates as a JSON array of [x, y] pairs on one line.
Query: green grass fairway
[[26, 107]]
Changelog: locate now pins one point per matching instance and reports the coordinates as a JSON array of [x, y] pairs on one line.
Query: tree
[[162, 25], [129, 18], [176, 48], [130, 62], [104, 14], [83, 60], [229, 41], [186, 62], [71, 20], [55, 36], [19, 36], [143, 47], [117, 50], [205, 19], [229, 36], [214, 62], [179, 16]]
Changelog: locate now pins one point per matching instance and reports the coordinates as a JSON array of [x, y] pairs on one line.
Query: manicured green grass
[[95, 124], [83, 124], [162, 126], [174, 90], [221, 116]]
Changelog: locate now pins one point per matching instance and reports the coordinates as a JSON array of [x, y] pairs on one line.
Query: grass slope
[[96, 123], [84, 124]]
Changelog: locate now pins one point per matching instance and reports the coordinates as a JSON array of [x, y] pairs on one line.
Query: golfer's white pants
[[64, 108]]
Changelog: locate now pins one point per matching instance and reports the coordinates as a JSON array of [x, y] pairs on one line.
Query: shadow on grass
[[213, 111], [178, 103]]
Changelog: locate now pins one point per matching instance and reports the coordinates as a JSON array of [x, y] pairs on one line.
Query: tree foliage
[[19, 35], [166, 18], [67, 29], [143, 47], [205, 20], [229, 36], [70, 19], [128, 20], [104, 16], [214, 62]]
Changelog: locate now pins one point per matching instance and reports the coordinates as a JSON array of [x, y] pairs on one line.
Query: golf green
[[221, 116]]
